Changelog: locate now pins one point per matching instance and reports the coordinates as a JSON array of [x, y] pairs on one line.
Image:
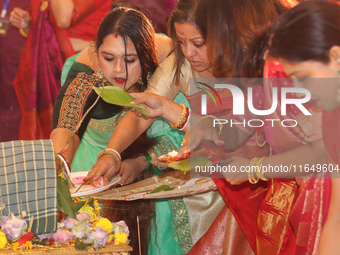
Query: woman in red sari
[[313, 60], [47, 46]]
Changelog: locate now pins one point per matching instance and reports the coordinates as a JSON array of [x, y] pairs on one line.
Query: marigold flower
[[3, 239], [105, 224], [120, 237]]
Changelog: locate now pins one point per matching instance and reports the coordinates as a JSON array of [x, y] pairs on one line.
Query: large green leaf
[[64, 198], [91, 203], [117, 96], [160, 188], [80, 245], [190, 163], [79, 205]]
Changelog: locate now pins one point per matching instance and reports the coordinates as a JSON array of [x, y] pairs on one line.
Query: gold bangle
[[219, 123], [182, 119], [23, 33], [259, 172], [113, 153], [261, 145], [251, 177]]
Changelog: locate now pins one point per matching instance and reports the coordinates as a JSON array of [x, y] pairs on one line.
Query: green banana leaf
[[186, 165], [160, 188], [64, 198], [117, 96]]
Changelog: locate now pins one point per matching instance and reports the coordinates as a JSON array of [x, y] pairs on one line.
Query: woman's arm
[[287, 164], [329, 241], [129, 128], [62, 11], [59, 137]]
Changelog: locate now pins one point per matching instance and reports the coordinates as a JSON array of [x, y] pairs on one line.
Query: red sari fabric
[[37, 81], [242, 200], [38, 78], [291, 217], [331, 134], [86, 18]]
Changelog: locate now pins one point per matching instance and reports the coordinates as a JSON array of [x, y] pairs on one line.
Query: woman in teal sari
[[126, 56]]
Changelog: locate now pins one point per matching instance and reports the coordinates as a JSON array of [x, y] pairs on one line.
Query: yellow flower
[[3, 240], [120, 237], [90, 211], [110, 238], [15, 245], [105, 224], [28, 245], [97, 206]]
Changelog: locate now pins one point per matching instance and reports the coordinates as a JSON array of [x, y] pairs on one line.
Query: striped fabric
[[28, 182]]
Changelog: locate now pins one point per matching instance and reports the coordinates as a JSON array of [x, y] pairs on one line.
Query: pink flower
[[3, 220], [83, 216], [99, 237], [14, 227], [80, 224], [62, 236], [44, 236], [121, 226], [68, 223]]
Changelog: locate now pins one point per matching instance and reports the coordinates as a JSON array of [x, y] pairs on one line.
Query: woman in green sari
[[125, 56]]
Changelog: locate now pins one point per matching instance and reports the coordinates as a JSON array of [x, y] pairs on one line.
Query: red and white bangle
[[187, 119], [65, 162]]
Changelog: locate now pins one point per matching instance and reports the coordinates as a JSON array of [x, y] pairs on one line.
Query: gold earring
[[140, 81]]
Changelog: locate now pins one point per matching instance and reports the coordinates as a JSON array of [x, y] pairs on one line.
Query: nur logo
[[204, 96]]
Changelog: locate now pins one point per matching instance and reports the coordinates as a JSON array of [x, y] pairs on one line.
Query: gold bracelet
[[23, 33], [261, 145], [182, 119], [259, 172], [113, 153], [219, 123], [251, 177]]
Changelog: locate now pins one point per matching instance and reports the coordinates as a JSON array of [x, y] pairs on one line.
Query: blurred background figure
[[158, 11], [55, 30], [11, 44]]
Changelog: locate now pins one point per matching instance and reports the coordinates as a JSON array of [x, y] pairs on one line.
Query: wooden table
[[110, 249]]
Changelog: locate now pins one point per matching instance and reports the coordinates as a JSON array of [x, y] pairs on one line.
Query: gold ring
[[183, 142]]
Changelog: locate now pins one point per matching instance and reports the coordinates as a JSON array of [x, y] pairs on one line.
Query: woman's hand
[[153, 103], [237, 163], [106, 165], [203, 130], [159, 106], [20, 18], [131, 168]]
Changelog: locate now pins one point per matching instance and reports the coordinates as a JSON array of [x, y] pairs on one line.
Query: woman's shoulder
[[88, 57]]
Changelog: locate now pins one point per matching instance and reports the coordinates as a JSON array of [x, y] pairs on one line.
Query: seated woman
[[125, 56]]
